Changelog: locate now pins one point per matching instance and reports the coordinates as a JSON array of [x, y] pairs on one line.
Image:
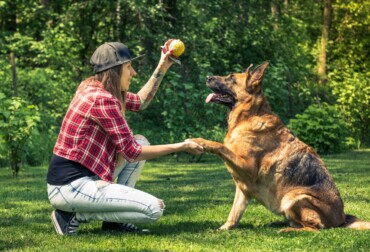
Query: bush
[[39, 148], [321, 126], [353, 98], [17, 122]]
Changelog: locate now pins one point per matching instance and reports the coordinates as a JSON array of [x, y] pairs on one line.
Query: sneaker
[[65, 223], [123, 227]]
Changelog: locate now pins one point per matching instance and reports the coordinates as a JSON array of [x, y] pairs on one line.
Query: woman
[[95, 147]]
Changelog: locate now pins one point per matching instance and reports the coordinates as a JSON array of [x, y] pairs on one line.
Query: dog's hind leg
[[237, 210], [303, 216]]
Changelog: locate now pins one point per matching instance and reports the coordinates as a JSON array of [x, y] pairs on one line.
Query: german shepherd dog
[[269, 163]]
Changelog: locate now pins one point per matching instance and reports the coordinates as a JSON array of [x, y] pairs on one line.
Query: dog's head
[[237, 87]]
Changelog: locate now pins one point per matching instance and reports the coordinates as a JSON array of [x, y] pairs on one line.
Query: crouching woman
[[96, 147]]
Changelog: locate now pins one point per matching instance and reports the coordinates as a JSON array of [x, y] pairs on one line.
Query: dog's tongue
[[209, 97]]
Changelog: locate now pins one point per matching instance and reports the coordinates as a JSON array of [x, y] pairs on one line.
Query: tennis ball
[[177, 47]]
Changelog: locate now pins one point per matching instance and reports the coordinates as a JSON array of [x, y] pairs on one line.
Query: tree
[[349, 66], [53, 40], [328, 9], [17, 120]]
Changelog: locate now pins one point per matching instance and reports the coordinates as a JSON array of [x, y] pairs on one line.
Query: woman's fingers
[[194, 148]]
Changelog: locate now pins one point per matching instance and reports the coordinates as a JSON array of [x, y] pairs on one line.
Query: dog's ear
[[257, 73], [248, 71], [254, 78]]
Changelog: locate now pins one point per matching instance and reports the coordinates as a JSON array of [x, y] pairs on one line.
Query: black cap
[[109, 55]]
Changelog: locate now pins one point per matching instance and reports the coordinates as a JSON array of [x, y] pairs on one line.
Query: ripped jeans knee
[[157, 211]]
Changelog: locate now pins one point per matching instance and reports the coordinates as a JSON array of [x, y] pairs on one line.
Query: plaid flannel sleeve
[[132, 102], [107, 113]]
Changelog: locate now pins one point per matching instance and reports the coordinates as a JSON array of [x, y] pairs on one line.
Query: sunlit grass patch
[[198, 198]]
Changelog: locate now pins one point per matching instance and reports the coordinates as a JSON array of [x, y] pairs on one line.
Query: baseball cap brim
[[137, 57], [128, 60]]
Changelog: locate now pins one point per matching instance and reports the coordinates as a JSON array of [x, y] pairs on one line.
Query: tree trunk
[[285, 6], [14, 74], [275, 15], [324, 40], [286, 3]]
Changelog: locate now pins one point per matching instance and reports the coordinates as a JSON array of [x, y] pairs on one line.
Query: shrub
[[321, 126], [17, 123], [353, 98], [39, 148]]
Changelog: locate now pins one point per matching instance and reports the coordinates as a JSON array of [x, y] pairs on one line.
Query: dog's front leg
[[227, 155], [210, 146], [236, 213]]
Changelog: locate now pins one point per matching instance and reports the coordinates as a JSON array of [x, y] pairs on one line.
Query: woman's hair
[[111, 80]]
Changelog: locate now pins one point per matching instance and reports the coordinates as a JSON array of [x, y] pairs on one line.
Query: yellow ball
[[178, 47]]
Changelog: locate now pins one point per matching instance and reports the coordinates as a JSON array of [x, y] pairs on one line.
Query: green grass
[[198, 198]]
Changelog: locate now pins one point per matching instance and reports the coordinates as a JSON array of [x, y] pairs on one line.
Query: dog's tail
[[355, 223]]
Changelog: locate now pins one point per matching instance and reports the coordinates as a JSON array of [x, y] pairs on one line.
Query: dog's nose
[[209, 78]]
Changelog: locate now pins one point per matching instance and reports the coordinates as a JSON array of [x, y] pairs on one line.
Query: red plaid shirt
[[94, 130]]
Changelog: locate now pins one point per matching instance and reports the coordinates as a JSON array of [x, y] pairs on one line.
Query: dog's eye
[[230, 77]]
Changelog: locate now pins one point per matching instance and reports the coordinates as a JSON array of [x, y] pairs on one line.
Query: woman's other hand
[[192, 147]]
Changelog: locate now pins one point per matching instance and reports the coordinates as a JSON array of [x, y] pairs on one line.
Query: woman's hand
[[192, 147], [165, 62]]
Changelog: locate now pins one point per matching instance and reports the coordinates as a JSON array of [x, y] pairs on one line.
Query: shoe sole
[[56, 224], [145, 231]]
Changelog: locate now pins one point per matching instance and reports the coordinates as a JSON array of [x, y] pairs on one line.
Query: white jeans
[[94, 199]]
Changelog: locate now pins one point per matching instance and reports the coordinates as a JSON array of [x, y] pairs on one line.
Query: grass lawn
[[198, 198]]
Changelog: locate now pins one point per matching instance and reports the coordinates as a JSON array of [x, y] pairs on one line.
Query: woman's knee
[[157, 210], [142, 140]]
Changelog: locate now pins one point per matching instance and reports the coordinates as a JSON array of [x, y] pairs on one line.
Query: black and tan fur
[[269, 163]]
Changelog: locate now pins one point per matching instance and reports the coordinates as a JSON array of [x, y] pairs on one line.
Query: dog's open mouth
[[221, 94], [219, 98]]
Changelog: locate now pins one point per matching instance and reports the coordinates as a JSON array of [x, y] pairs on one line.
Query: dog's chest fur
[[259, 150]]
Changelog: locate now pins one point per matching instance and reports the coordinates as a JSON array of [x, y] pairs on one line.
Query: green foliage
[[53, 42], [353, 99], [322, 127], [281, 93], [349, 67], [39, 148], [350, 44], [17, 122]]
